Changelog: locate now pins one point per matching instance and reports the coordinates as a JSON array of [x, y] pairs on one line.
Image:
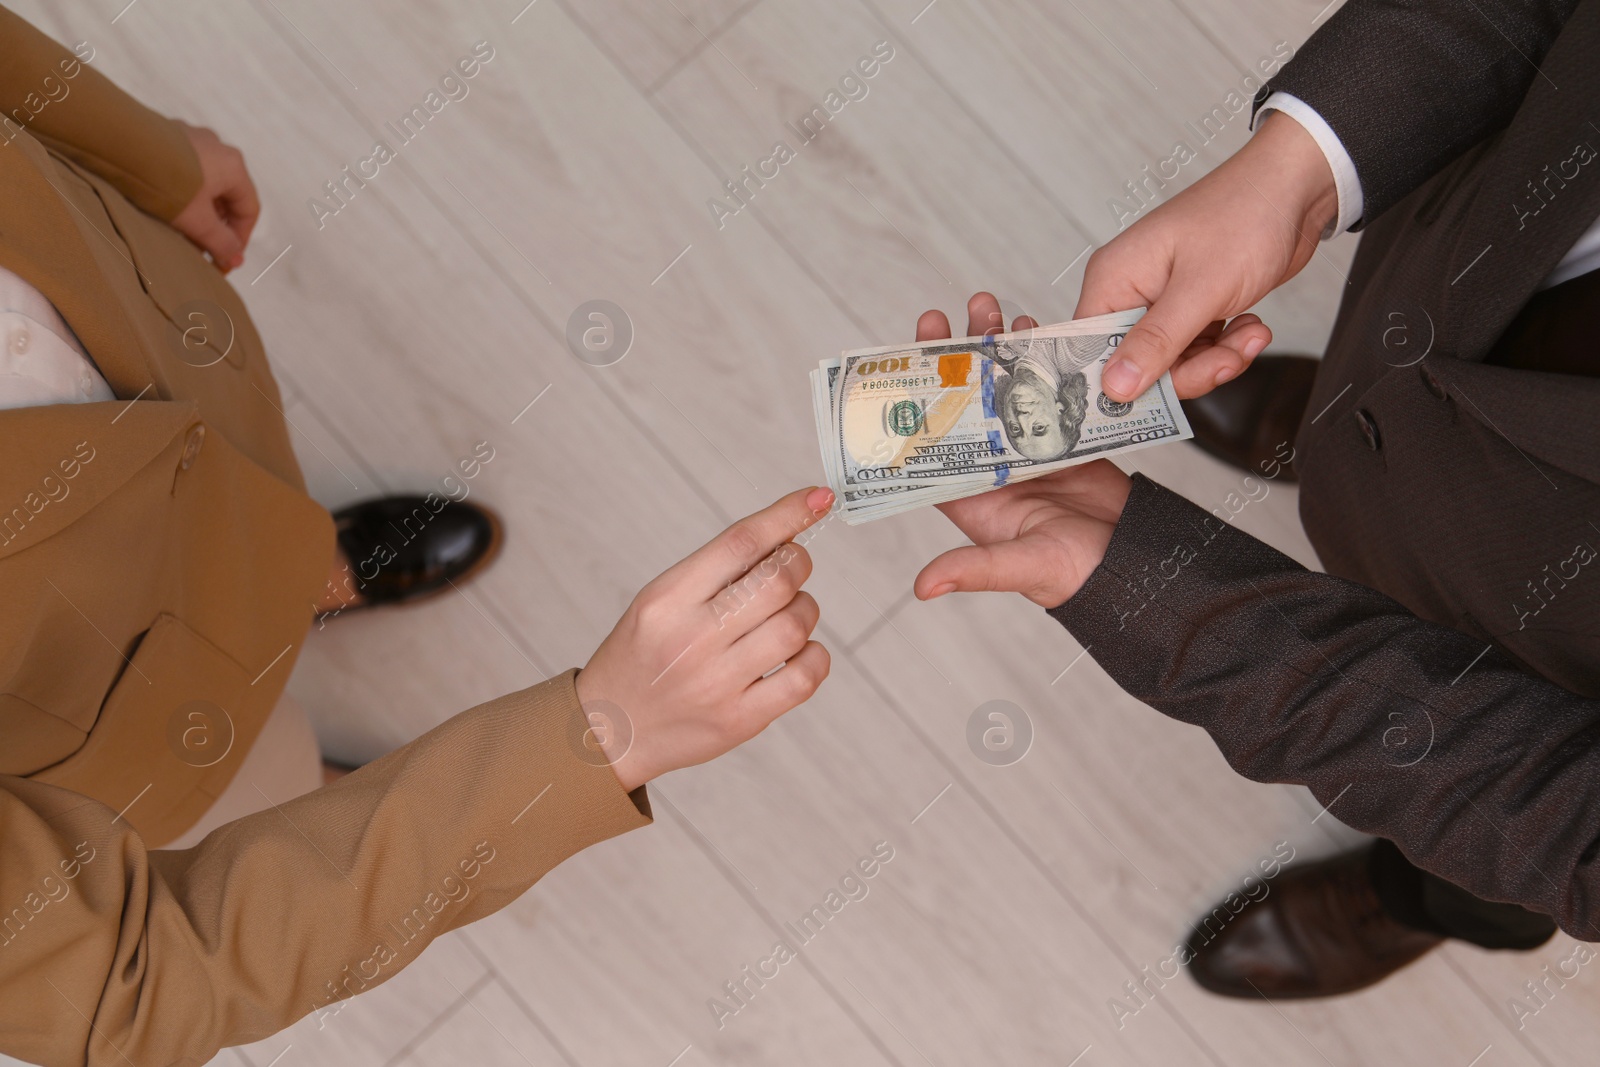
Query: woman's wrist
[[608, 732]]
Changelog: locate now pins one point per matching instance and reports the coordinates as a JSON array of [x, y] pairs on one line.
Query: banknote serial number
[[872, 384], [1121, 426]]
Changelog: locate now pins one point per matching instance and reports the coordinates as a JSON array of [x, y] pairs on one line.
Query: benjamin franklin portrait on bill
[[1043, 399]]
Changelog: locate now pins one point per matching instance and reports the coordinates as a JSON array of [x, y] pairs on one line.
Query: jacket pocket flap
[[170, 734]]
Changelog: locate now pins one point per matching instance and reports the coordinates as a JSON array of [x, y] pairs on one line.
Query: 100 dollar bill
[[878, 499], [987, 410]]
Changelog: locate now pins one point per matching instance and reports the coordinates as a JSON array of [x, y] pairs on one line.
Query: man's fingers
[[933, 326], [779, 637], [769, 697], [1208, 336], [753, 597], [983, 318], [1209, 366], [1001, 567], [1157, 340], [749, 541], [984, 315]]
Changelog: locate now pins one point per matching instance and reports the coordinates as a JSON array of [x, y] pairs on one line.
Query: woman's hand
[[1041, 538], [222, 214], [683, 677]]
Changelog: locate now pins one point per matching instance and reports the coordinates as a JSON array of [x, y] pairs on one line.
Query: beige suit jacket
[[158, 559]]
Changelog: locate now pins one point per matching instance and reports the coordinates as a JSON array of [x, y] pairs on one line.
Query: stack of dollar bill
[[911, 425]]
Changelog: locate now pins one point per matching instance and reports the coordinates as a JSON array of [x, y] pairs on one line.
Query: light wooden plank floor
[[428, 312]]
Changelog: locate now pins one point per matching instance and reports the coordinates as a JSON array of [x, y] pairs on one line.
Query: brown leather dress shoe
[[404, 548], [1251, 421], [1320, 931]]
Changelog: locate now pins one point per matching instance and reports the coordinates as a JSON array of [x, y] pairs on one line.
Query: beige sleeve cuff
[[57, 96]]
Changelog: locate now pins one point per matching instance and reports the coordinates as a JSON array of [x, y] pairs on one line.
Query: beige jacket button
[[191, 447]]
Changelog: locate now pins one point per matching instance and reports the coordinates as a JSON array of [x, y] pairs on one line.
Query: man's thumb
[[945, 574], [1154, 344], [1003, 567]]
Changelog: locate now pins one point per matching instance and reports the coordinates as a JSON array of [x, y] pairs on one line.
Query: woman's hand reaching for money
[[683, 677], [1041, 538]]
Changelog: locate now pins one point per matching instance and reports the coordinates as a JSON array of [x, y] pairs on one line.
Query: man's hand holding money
[[1041, 538], [1203, 257]]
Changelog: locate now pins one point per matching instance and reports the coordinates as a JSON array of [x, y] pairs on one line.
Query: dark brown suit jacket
[[1457, 711]]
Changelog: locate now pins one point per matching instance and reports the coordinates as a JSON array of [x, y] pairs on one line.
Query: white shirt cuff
[[1346, 183]]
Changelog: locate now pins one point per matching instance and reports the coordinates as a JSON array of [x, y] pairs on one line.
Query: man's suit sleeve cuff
[[1158, 536], [1346, 181]]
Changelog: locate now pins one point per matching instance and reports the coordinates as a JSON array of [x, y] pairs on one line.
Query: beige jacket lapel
[[48, 239]]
